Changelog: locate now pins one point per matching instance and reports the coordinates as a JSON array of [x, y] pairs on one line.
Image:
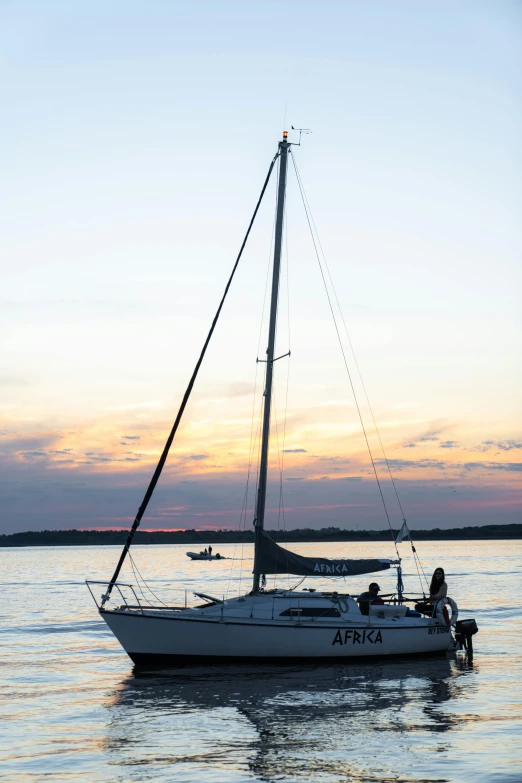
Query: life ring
[[442, 614]]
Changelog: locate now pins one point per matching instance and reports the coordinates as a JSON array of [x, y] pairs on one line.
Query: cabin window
[[310, 611]]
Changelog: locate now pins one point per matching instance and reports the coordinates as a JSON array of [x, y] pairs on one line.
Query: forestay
[[271, 558]]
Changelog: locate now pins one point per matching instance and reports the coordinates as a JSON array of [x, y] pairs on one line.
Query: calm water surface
[[73, 709]]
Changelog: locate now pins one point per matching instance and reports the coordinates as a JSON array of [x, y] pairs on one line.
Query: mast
[[259, 519]]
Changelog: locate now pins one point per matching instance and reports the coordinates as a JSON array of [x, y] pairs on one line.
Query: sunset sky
[[136, 137]]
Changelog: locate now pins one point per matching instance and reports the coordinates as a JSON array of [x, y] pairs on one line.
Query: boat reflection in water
[[302, 723]]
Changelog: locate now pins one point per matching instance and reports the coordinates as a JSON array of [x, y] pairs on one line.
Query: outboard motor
[[464, 632]]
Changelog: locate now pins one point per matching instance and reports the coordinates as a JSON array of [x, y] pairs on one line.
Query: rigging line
[[344, 355], [242, 519], [414, 551], [232, 563], [418, 573], [259, 446], [136, 569], [280, 458], [240, 526], [243, 514], [281, 499], [163, 458], [281, 471], [394, 485], [287, 278], [251, 459], [275, 421], [135, 565], [138, 585], [268, 268], [281, 503], [281, 451], [358, 370], [416, 556], [245, 496], [278, 452]]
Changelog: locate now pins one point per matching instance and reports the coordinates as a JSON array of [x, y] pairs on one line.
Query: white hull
[[196, 556], [169, 637]]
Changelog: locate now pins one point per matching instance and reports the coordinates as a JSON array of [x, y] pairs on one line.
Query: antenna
[[301, 131]]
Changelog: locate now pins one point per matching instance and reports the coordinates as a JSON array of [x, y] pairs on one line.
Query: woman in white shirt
[[438, 587], [438, 590]]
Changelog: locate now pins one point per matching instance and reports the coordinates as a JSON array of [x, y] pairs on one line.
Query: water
[[72, 709]]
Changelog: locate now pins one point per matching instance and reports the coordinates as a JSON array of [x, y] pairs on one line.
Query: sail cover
[[273, 559]]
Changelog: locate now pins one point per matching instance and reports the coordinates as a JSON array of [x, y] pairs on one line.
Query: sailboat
[[279, 624]]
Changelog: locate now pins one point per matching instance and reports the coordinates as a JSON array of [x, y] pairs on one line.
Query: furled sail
[[273, 559]]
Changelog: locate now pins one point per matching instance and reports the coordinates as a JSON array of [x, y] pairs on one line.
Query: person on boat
[[370, 597], [438, 590], [210, 550]]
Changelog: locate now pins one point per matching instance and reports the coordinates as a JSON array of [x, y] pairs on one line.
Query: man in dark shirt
[[370, 597]]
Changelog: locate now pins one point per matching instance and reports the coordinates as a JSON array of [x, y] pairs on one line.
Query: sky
[[136, 137]]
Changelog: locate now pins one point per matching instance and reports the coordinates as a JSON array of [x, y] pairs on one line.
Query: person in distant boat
[[370, 597], [438, 590], [210, 551]]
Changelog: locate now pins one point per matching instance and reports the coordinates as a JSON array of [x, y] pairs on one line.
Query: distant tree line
[[118, 537]]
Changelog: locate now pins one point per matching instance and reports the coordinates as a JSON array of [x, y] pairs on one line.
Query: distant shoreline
[[205, 537]]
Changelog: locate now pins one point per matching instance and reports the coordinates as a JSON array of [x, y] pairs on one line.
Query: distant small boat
[[205, 556]]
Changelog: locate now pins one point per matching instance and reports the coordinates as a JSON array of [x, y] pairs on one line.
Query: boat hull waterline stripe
[[173, 661]]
